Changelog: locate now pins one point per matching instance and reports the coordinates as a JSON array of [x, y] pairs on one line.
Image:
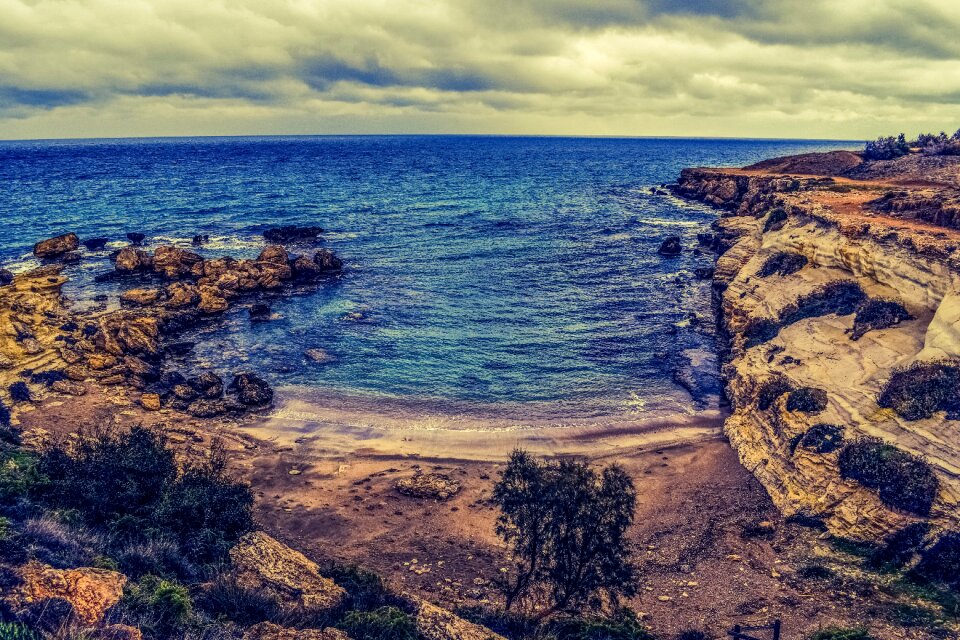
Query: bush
[[842, 633], [386, 623], [940, 144], [941, 562], [877, 314], [899, 547], [815, 572], [366, 590], [224, 598], [760, 330], [822, 438], [566, 525], [886, 148], [58, 543], [159, 607], [17, 631], [808, 400], [510, 624], [922, 389], [20, 392], [782, 263], [841, 297], [775, 219], [771, 389], [902, 480], [623, 625]]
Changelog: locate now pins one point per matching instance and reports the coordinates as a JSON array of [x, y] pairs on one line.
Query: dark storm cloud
[[543, 66]]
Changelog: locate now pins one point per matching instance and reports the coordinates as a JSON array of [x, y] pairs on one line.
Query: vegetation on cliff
[[923, 388], [902, 480]]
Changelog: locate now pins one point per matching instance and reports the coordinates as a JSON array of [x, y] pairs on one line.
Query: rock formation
[[89, 591]]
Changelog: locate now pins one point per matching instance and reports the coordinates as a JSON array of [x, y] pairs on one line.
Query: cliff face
[[831, 231]]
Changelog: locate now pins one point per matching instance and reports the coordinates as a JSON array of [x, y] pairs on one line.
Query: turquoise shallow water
[[485, 272]]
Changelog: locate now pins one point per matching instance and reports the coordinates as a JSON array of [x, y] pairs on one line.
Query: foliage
[[841, 297], [939, 144], [622, 625], [782, 263], [822, 438], [807, 399], [842, 633], [941, 562], [224, 598], [900, 546], [158, 606], [365, 590], [877, 313], [886, 148], [775, 219], [760, 330], [771, 389], [16, 631], [922, 389], [902, 480], [511, 624], [815, 571], [566, 525], [386, 623]]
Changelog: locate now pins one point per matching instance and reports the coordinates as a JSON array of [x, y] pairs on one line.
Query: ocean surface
[[484, 274]]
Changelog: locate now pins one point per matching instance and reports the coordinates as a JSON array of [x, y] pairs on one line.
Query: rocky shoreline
[[828, 298]]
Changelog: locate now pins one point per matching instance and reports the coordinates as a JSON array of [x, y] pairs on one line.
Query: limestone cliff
[[829, 229]]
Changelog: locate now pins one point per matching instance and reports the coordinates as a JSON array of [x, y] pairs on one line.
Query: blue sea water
[[483, 272]]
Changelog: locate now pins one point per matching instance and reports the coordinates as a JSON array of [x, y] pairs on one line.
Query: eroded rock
[[90, 591], [57, 246]]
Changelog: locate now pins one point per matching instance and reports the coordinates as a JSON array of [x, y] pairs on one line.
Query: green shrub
[[822, 438], [159, 606], [877, 313], [782, 263], [922, 389], [841, 297], [941, 562], [18, 476], [17, 631], [386, 623], [842, 633], [902, 480], [900, 547], [886, 148], [366, 590], [771, 389], [623, 625], [775, 219], [760, 330], [808, 400]]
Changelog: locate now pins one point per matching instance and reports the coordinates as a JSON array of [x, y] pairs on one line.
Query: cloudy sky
[[760, 68]]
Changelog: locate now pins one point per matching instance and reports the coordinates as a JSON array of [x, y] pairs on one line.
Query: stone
[[71, 257], [130, 259], [182, 294], [327, 260], [6, 277], [136, 237], [252, 390], [204, 408], [57, 246], [670, 246], [428, 485], [271, 631], [184, 392], [211, 301], [69, 388], [207, 384], [434, 623], [140, 297], [150, 401], [95, 244], [175, 263], [291, 233], [260, 312], [200, 239], [90, 591], [305, 269], [264, 565]]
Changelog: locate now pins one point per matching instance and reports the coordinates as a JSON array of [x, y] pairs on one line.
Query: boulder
[[140, 297], [136, 238], [291, 233], [211, 301], [304, 269], [95, 244], [252, 390], [219, 266], [204, 408], [429, 485], [327, 260], [71, 257], [271, 631], [90, 591], [150, 401], [274, 253], [69, 388], [200, 239], [207, 384], [55, 247], [130, 259], [182, 294], [175, 263], [434, 623], [6, 277], [670, 246], [271, 568]]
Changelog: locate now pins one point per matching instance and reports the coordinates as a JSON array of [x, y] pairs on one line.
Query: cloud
[[612, 67]]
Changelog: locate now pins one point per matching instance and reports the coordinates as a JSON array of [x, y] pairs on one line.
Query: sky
[[854, 69]]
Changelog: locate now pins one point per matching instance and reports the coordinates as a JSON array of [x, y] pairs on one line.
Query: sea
[[484, 275]]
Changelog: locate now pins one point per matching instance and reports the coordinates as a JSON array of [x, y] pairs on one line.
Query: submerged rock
[[291, 233], [55, 247], [271, 568], [259, 312], [670, 246], [327, 260], [136, 237], [319, 356], [95, 244]]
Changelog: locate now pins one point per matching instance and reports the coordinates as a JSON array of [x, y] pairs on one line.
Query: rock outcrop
[[782, 335], [56, 247], [271, 568], [434, 623], [89, 591]]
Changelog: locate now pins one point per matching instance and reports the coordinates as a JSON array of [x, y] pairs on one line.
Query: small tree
[[566, 525]]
